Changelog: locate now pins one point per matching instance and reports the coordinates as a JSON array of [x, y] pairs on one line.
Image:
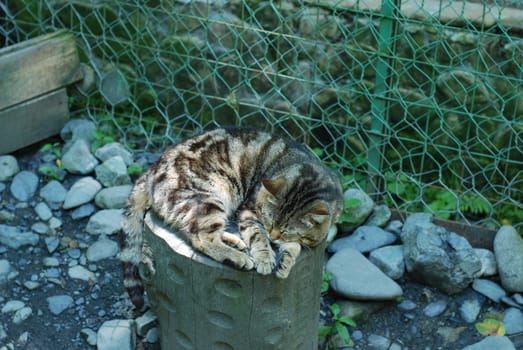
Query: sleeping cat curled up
[[240, 196]]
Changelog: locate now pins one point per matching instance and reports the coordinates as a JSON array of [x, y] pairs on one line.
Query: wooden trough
[[33, 79], [202, 304]]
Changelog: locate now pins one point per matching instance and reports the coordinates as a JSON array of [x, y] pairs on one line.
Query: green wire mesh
[[418, 102]]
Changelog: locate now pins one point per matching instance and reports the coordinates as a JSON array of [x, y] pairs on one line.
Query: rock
[[40, 227], [389, 260], [378, 342], [469, 310], [364, 239], [52, 243], [435, 308], [53, 192], [489, 266], [83, 211], [353, 276], [113, 197], [50, 261], [152, 335], [89, 335], [437, 257], [81, 273], [508, 248], [78, 158], [24, 185], [489, 289], [116, 335], [8, 167], [83, 191], [5, 270], [22, 315], [395, 226], [78, 129], [145, 322], [407, 305], [6, 216], [102, 249], [59, 303], [513, 321], [492, 342], [12, 306], [518, 298], [380, 216], [43, 211], [113, 172], [15, 238], [356, 213], [114, 149], [107, 222]]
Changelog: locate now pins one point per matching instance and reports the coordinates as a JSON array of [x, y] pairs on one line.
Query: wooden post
[[202, 304]]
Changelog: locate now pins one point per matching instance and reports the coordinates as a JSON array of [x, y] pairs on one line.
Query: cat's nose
[[275, 234]]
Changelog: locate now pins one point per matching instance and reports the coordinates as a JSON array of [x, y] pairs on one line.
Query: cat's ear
[[274, 186], [319, 212]]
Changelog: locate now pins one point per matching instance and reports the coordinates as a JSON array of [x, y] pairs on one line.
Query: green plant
[[135, 170], [348, 205], [338, 325], [54, 148], [327, 276], [100, 139], [56, 171]]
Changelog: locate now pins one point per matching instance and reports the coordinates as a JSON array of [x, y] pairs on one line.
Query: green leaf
[[335, 309], [325, 331], [346, 320], [343, 332], [490, 326], [351, 203]]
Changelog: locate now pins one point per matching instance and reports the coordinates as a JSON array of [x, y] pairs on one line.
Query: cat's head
[[294, 211]]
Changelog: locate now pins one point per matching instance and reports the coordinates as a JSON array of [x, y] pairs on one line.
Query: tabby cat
[[237, 195]]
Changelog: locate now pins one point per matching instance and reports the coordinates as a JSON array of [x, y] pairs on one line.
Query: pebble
[[357, 214], [5, 270], [153, 335], [43, 211], [12, 306], [59, 303], [83, 211], [518, 298], [89, 336], [355, 277], [113, 197], [489, 267], [508, 248], [107, 222], [364, 239], [390, 260], [488, 288], [31, 285], [435, 308], [51, 261], [407, 305], [113, 172], [8, 167], [378, 342], [145, 322], [490, 343], [114, 149], [379, 217], [52, 243], [77, 159], [513, 321], [22, 315], [15, 238], [24, 185], [470, 309], [40, 227], [83, 191], [102, 249], [53, 192], [116, 335], [81, 273]]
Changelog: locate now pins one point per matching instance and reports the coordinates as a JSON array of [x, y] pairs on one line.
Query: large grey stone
[[53, 192], [508, 249], [355, 277], [116, 335], [490, 343], [24, 185], [78, 158], [8, 167], [364, 239], [114, 149], [107, 222], [113, 172], [113, 197], [15, 238], [357, 214], [389, 260], [488, 288], [83, 191], [437, 257], [102, 249]]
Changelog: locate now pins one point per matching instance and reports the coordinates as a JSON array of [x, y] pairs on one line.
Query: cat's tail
[[131, 241]]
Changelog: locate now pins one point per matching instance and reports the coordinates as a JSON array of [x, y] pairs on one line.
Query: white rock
[[116, 335], [8, 167], [355, 277], [22, 315], [12, 306], [107, 222], [59, 303], [78, 158], [43, 211], [102, 249], [83, 191], [81, 273]]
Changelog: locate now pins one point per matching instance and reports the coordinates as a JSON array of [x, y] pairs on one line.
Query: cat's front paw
[[265, 260], [289, 254]]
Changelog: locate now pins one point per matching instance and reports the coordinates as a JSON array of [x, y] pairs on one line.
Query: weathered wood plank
[[33, 121], [37, 66]]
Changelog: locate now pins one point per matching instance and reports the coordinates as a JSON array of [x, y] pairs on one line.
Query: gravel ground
[[88, 304]]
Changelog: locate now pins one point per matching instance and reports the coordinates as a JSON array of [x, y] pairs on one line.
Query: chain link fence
[[420, 102]]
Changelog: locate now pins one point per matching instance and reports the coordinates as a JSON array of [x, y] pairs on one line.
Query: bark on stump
[[202, 304]]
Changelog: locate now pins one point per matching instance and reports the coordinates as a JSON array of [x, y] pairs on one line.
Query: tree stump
[[202, 304]]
